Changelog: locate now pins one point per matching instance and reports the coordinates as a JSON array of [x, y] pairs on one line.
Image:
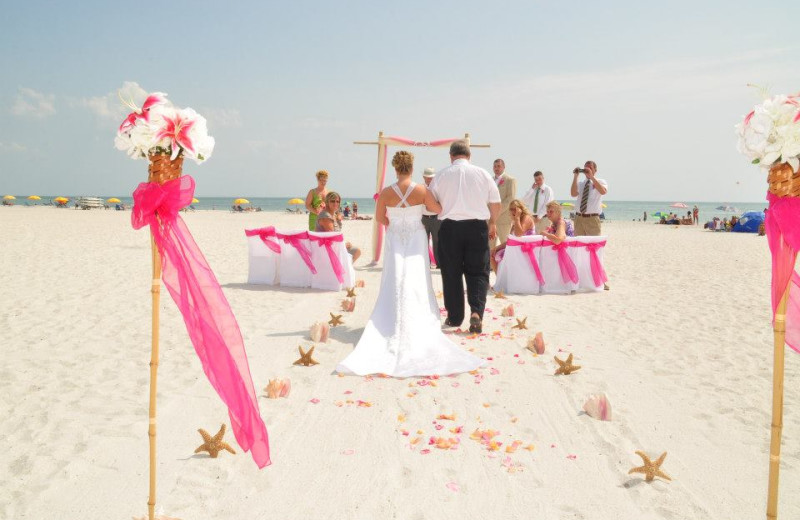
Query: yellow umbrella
[[296, 201], [61, 199], [241, 201], [9, 197], [34, 197], [567, 204], [195, 201], [113, 200], [604, 205]]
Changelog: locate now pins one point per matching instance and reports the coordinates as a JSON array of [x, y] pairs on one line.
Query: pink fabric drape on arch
[[783, 233], [211, 325]]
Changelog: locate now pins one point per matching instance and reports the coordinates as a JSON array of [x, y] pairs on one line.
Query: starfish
[[651, 469], [566, 367], [521, 324], [305, 358], [351, 292], [336, 319], [214, 445], [499, 295]]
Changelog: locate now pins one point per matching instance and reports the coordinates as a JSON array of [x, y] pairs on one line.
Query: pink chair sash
[[528, 249], [568, 270], [294, 241], [598, 273], [328, 243], [783, 234], [264, 234], [208, 317]]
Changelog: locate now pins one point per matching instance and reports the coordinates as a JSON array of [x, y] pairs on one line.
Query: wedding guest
[[537, 199], [315, 199], [522, 224], [589, 195], [696, 214], [507, 186], [330, 219], [430, 220], [559, 228]]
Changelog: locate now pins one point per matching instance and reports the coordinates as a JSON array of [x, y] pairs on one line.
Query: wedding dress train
[[403, 336]]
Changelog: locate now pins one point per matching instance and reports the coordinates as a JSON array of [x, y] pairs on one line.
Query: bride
[[403, 337]]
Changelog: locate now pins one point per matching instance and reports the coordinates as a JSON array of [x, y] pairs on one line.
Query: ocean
[[615, 210]]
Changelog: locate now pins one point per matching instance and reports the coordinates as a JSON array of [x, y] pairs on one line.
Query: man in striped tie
[[589, 203]]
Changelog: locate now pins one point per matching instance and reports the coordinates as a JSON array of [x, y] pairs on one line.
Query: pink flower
[[176, 129], [156, 98]]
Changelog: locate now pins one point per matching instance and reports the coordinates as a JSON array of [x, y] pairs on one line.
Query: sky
[[651, 93]]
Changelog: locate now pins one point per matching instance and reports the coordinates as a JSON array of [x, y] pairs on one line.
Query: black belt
[[430, 216], [588, 214]]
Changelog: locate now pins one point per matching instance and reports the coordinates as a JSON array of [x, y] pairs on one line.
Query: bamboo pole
[[155, 289], [779, 331]]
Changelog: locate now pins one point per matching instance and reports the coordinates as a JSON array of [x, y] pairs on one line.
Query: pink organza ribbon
[[598, 272], [264, 234], [295, 242], [528, 249], [411, 142], [568, 270], [327, 242], [208, 317], [783, 233]]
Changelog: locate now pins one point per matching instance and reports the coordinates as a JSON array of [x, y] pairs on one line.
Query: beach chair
[[520, 271], [587, 255], [333, 263], [264, 256], [296, 266], [558, 269]]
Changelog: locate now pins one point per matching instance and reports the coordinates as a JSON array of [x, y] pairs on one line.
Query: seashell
[[320, 331], [348, 304], [278, 388], [536, 344], [508, 312], [359, 283], [285, 388], [597, 406]]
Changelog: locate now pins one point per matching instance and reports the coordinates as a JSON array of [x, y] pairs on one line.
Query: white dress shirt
[[595, 202], [545, 196], [464, 191]]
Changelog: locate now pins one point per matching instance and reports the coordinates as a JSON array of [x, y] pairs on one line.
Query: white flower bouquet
[[770, 133], [159, 127]]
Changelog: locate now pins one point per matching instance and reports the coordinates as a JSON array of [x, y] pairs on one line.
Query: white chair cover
[[325, 278], [294, 272], [551, 270], [581, 256], [516, 274], [263, 264]]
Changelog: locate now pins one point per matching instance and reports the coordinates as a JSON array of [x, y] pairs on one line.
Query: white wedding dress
[[403, 337]]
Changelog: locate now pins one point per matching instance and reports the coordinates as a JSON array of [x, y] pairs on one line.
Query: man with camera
[[589, 203], [536, 200]]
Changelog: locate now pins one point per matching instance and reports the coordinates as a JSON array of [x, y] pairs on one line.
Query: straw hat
[[429, 172]]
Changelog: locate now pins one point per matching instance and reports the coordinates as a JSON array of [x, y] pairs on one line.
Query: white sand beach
[[681, 344]]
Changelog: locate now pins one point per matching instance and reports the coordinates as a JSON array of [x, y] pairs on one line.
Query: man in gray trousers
[[430, 220]]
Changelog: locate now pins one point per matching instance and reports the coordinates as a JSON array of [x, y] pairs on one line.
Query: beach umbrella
[[195, 201], [61, 199], [34, 197], [241, 201], [113, 200], [567, 204], [296, 201], [603, 205], [678, 205], [9, 197]]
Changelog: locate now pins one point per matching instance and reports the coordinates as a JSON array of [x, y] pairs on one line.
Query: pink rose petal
[[348, 452], [425, 451], [452, 486], [314, 400]]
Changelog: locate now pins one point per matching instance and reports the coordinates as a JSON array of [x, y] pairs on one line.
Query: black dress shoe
[[449, 323], [475, 325]]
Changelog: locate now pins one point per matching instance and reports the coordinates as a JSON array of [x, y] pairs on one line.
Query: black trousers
[[464, 255], [431, 223]]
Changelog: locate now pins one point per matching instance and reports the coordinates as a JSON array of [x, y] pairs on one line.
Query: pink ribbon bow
[[328, 243], [527, 248], [208, 317], [295, 242], [264, 234], [568, 270], [598, 273], [782, 225]]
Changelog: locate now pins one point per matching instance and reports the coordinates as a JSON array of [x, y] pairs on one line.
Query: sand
[[681, 344]]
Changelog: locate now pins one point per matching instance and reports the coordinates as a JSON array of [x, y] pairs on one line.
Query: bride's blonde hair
[[403, 161]]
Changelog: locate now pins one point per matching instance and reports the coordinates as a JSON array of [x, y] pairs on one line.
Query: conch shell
[[597, 406], [507, 312], [536, 344], [278, 388], [359, 283], [348, 304], [320, 332]]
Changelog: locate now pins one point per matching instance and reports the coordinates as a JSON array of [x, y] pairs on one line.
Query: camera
[[579, 170]]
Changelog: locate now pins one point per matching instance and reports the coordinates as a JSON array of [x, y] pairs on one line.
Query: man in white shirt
[[589, 203], [430, 220], [536, 201], [507, 186], [469, 198]]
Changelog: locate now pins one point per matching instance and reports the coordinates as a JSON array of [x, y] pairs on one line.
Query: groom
[[469, 198]]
